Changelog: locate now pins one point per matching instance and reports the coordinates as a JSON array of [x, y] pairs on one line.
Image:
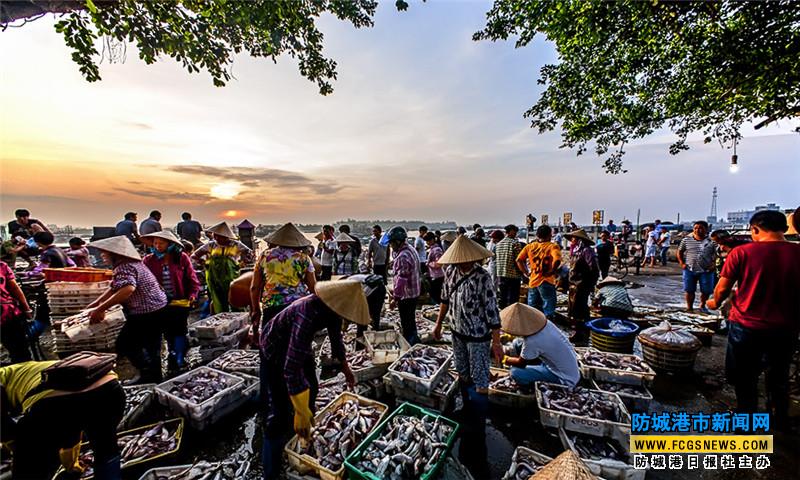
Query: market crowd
[[484, 282]]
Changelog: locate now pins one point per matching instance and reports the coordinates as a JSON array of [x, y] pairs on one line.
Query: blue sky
[[423, 123]]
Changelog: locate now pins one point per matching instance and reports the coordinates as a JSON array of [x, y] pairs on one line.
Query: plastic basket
[[607, 340], [437, 400], [404, 409], [634, 403], [385, 356], [604, 374], [522, 453], [249, 394], [197, 413], [102, 342], [132, 416], [218, 325], [509, 399], [305, 463], [249, 369], [76, 274], [419, 385], [174, 422], [576, 423], [668, 360], [607, 468], [77, 288]]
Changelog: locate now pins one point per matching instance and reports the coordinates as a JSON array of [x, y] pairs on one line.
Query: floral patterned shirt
[[472, 303], [284, 271]]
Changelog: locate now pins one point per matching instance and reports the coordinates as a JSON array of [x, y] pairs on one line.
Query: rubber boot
[[473, 451], [109, 470], [181, 346]]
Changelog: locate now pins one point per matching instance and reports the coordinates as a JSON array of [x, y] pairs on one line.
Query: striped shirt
[[697, 254], [507, 251]]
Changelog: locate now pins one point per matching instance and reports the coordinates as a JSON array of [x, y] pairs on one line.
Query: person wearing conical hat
[[144, 302], [288, 368], [282, 274], [583, 274], [613, 299], [469, 303], [223, 256], [545, 352], [173, 269], [345, 258]]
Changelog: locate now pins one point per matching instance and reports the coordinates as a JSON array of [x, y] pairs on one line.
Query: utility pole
[[679, 219], [638, 217]]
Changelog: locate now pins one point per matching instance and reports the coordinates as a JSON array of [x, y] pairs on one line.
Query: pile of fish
[[621, 388], [349, 340], [201, 471], [222, 318], [135, 397], [444, 384], [337, 432], [391, 345], [201, 386], [422, 362], [359, 359], [505, 383], [329, 390], [628, 363], [523, 465], [406, 448], [597, 448], [580, 401], [135, 447], [237, 361]]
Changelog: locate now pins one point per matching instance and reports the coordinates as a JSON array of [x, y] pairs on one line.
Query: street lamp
[[734, 159]]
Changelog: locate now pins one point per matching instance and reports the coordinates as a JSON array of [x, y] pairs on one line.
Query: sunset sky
[[424, 123]]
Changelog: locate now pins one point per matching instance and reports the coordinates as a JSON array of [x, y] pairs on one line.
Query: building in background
[[743, 216]]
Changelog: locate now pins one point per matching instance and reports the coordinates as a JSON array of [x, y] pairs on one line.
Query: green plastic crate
[[405, 409]]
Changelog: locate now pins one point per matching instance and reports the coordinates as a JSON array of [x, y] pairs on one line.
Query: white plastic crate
[[419, 385], [592, 426], [197, 413], [607, 468]]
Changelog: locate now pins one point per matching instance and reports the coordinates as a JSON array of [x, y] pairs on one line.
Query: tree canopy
[[627, 68], [200, 34]]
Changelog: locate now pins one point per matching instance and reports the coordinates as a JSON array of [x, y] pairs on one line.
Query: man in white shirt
[[328, 251], [663, 245], [419, 246]]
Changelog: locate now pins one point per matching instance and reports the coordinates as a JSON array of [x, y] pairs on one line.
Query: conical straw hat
[[288, 236], [222, 229], [346, 298], [580, 233], [610, 280], [121, 246], [319, 236], [449, 236], [566, 466], [521, 320], [464, 250], [344, 238], [166, 235]]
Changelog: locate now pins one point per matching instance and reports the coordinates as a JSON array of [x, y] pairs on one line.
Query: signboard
[[567, 218], [545, 219], [597, 217]]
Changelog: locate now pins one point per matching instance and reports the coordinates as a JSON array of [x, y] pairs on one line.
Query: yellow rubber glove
[[505, 338], [303, 420], [69, 458]]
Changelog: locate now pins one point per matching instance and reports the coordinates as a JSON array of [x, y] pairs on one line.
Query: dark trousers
[[509, 291], [578, 306], [436, 290], [175, 331], [140, 342], [270, 312], [375, 303], [13, 337], [327, 272], [749, 352], [57, 422], [278, 414], [605, 265], [408, 319], [379, 270]]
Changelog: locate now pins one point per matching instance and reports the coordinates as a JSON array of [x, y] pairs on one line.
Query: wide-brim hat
[[449, 236], [522, 320], [581, 234], [464, 250], [566, 466], [346, 298], [610, 280], [222, 229], [121, 246], [288, 236], [320, 236], [344, 238], [166, 235]]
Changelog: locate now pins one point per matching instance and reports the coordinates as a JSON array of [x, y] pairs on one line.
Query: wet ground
[[705, 389]]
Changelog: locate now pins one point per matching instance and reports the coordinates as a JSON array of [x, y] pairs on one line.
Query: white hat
[[120, 245]]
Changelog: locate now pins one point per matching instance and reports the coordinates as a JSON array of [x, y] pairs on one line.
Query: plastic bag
[[666, 334]]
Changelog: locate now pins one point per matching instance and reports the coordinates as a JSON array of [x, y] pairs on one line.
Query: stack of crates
[[68, 298]]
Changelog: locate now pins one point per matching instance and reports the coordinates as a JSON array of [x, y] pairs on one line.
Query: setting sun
[[225, 190], [230, 213]]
